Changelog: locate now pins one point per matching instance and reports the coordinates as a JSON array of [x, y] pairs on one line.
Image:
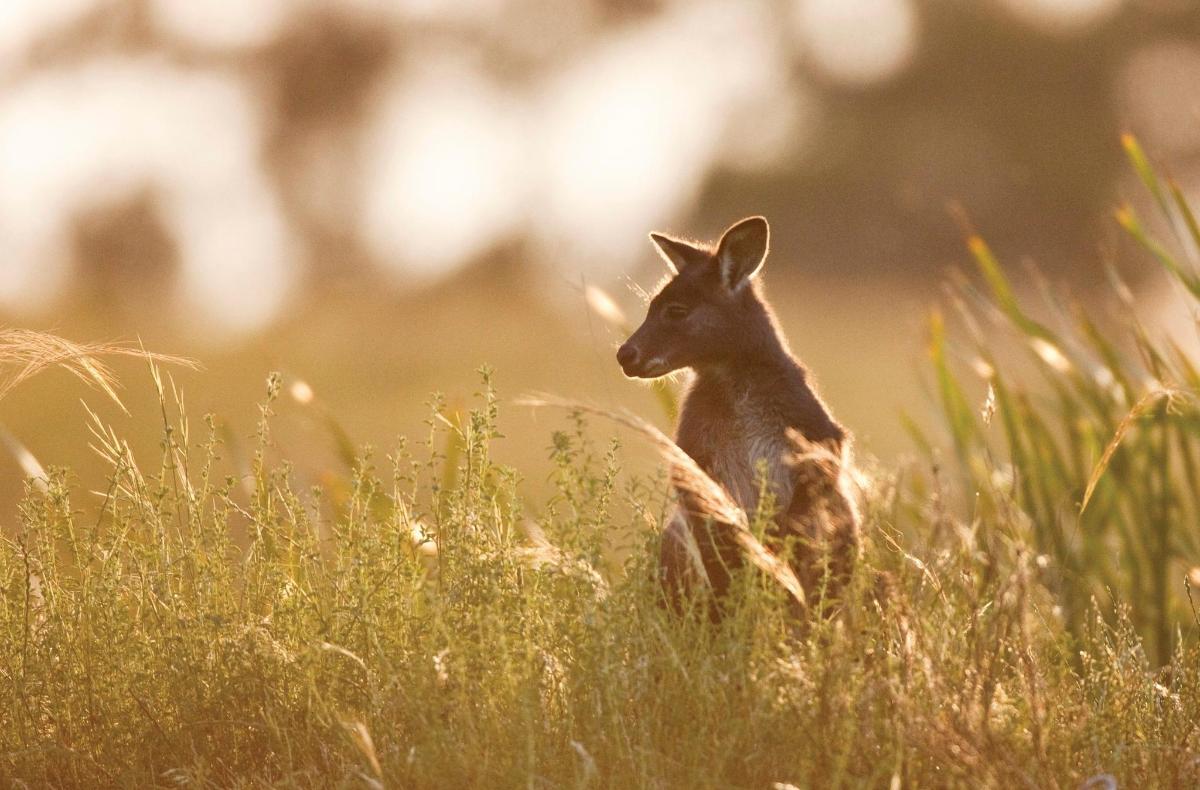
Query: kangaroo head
[[709, 313]]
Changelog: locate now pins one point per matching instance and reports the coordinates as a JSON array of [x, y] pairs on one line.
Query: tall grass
[[188, 628], [1101, 443], [208, 620]]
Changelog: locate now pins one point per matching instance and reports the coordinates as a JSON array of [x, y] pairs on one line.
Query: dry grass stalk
[[1143, 405]]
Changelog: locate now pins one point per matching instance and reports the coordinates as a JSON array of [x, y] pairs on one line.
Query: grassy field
[[1019, 616]]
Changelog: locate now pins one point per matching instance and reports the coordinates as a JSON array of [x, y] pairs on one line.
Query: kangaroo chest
[[740, 442]]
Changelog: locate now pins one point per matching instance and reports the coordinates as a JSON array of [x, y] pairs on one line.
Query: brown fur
[[749, 410]]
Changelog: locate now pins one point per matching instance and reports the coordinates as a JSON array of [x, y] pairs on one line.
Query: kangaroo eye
[[674, 312]]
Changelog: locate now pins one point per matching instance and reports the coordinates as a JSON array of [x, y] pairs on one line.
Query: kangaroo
[[748, 410]]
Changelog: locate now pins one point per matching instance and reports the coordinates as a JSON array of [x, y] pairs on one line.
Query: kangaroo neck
[[766, 359], [762, 346]]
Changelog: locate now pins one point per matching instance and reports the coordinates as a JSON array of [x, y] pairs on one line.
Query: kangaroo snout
[[627, 358]]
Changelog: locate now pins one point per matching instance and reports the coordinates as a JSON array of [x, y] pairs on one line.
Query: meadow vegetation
[[1101, 445], [420, 624]]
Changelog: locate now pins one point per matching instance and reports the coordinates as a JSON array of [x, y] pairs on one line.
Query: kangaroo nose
[[627, 356]]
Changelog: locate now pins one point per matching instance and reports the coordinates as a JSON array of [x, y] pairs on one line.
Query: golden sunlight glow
[[858, 42], [302, 392], [1063, 15], [1157, 91], [603, 305], [95, 134], [633, 127], [22, 22], [443, 167], [478, 12], [428, 134], [1050, 354], [223, 23]]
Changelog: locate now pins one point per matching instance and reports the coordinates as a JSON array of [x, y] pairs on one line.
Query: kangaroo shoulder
[[805, 412]]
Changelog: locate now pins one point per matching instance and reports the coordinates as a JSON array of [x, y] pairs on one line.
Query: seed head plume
[[25, 352]]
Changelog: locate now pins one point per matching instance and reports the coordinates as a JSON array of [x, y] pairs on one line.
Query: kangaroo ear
[[678, 254], [742, 251]]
